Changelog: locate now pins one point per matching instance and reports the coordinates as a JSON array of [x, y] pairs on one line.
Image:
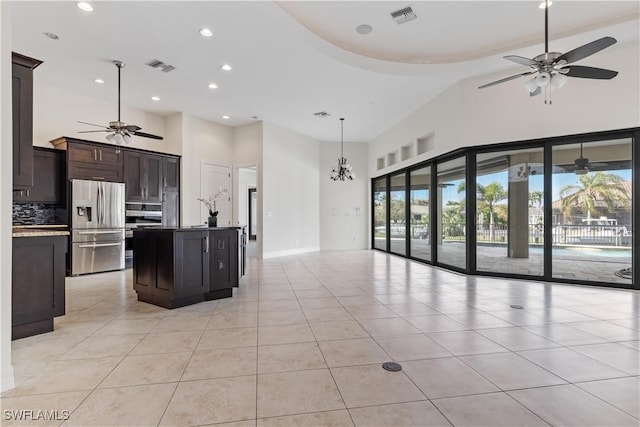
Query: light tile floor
[[303, 338]]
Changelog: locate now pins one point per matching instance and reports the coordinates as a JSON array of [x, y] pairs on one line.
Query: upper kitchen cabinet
[[143, 176], [171, 173], [92, 161], [22, 114], [48, 178]]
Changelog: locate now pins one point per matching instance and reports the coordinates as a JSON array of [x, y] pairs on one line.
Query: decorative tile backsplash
[[38, 213]]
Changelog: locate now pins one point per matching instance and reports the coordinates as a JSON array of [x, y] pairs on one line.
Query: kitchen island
[[174, 267], [37, 278]]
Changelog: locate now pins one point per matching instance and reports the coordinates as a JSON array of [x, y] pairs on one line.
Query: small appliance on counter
[[97, 226]]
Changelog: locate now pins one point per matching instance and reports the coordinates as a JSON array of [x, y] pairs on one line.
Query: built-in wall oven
[[139, 214]]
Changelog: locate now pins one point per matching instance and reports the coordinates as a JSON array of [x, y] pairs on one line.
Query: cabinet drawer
[[95, 171]]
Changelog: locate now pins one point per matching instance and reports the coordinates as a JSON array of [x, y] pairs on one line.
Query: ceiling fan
[[551, 69], [120, 132], [581, 165]]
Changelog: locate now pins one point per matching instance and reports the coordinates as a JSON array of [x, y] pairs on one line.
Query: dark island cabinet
[[174, 267], [37, 283], [22, 119], [170, 269], [143, 176], [223, 262], [48, 178]]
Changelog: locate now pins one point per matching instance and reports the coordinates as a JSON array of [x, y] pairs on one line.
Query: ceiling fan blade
[[590, 72], [132, 128], [587, 50], [506, 79], [92, 124], [90, 131], [522, 60], [146, 135], [538, 91]]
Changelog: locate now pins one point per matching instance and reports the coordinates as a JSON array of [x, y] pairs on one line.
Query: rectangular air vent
[[321, 114], [404, 15], [157, 64]]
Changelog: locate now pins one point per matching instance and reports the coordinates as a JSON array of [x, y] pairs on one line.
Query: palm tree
[[599, 186], [490, 195]]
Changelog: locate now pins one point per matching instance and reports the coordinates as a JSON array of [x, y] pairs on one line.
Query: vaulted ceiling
[[293, 59]]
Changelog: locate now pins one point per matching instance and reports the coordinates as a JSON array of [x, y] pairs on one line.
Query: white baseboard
[[7, 378], [289, 252]]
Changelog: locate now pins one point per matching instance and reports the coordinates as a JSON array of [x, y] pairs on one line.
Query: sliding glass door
[[420, 205], [509, 212], [380, 213], [452, 210], [398, 214]]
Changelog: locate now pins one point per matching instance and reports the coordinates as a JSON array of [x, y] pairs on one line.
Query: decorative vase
[[213, 221]]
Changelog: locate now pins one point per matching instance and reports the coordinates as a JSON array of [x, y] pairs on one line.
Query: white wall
[[56, 113], [465, 116], [6, 197], [344, 205], [290, 192], [202, 140]]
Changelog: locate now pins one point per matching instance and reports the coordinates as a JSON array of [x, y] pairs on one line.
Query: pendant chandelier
[[343, 171]]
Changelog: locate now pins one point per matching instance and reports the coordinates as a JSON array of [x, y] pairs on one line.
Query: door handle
[[99, 245], [100, 155], [206, 244], [95, 154], [99, 232]]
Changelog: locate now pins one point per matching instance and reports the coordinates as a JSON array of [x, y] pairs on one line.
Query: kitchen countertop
[[40, 230]]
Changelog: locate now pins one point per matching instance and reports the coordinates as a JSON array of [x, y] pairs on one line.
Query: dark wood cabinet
[[143, 176], [223, 261], [177, 267], [48, 178], [93, 161], [171, 173], [170, 269], [22, 119], [37, 283]]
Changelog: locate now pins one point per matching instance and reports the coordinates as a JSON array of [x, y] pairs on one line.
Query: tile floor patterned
[[302, 341]]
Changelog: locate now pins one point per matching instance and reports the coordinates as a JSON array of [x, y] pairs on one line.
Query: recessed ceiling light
[[225, 117], [545, 4], [226, 67], [99, 81], [155, 98], [205, 32], [83, 5], [52, 36], [364, 29], [213, 86]]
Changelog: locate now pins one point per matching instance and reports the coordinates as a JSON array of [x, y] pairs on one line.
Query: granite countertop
[[40, 230], [188, 228]]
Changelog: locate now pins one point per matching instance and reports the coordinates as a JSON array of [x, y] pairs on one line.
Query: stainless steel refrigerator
[[97, 226]]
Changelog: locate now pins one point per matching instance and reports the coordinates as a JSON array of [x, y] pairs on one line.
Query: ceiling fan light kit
[[119, 131], [551, 69]]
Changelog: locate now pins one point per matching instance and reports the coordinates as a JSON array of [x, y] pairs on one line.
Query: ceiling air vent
[[157, 64], [321, 114], [404, 15]]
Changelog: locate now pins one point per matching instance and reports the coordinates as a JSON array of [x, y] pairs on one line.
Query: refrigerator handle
[[99, 206]]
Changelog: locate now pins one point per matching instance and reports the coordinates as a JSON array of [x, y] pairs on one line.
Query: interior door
[[215, 177]]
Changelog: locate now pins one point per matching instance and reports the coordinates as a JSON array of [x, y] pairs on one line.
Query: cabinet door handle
[[101, 178], [28, 192], [206, 244], [95, 154], [100, 155]]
